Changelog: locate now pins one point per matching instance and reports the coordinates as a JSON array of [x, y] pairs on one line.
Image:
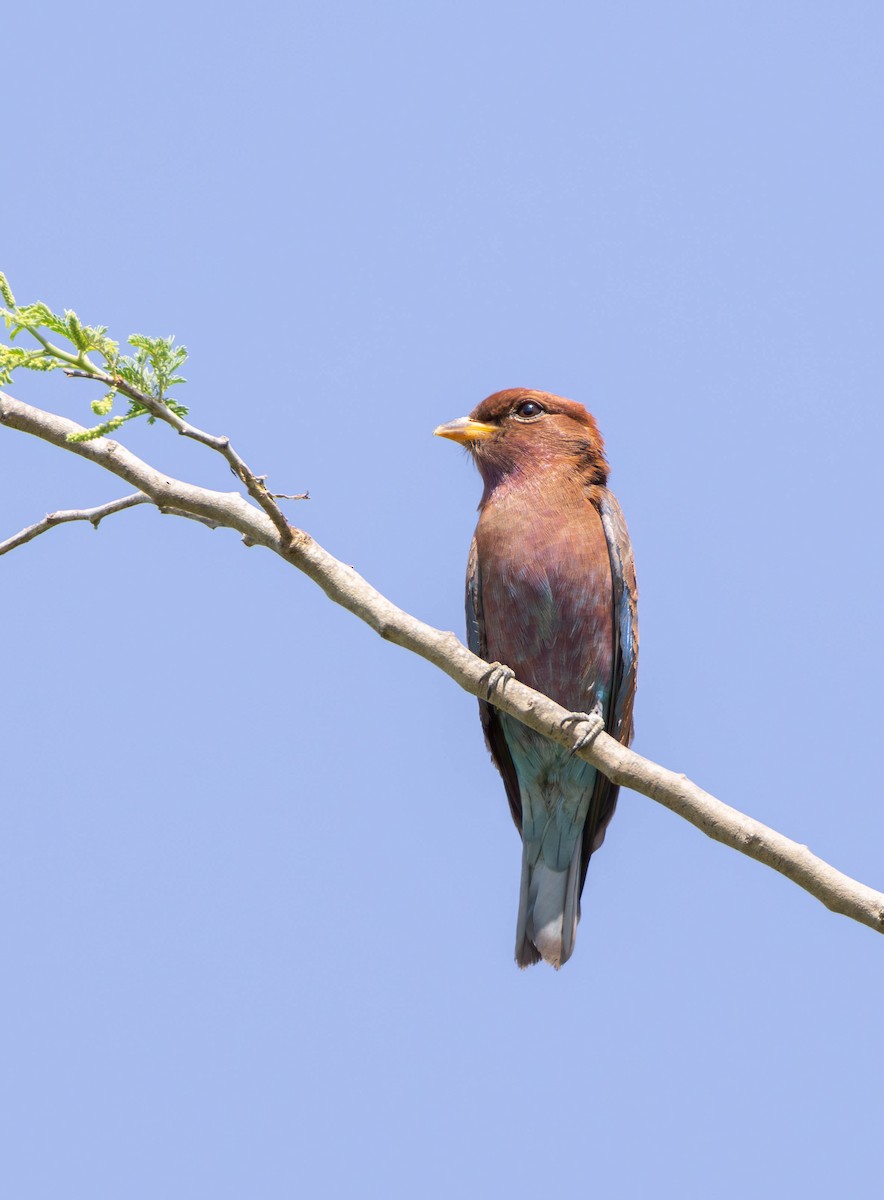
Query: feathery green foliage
[[151, 371]]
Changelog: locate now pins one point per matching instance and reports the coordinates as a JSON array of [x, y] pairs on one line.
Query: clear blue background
[[258, 880]]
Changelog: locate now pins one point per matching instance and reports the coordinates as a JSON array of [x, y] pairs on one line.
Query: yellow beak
[[465, 431]]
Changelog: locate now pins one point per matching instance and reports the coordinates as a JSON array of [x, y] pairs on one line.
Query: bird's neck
[[541, 486]]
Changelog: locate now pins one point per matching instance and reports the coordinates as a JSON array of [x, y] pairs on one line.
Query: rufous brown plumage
[[551, 593]]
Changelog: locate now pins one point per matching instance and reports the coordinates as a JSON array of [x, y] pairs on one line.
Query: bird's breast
[[546, 590]]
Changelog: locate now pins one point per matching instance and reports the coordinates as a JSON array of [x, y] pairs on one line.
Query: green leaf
[[152, 369], [33, 316], [103, 406], [12, 357], [89, 435]]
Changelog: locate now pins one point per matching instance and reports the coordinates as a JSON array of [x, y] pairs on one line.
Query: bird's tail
[[549, 907]]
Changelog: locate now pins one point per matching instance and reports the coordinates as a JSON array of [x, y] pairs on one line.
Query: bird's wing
[[491, 724], [618, 717]]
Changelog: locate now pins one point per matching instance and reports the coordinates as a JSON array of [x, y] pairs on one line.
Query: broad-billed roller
[[551, 594]]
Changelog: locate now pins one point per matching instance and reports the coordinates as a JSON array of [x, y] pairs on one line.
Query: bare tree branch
[[254, 484], [93, 515], [582, 734]]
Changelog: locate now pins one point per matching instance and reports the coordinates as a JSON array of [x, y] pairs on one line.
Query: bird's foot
[[593, 726], [496, 677]]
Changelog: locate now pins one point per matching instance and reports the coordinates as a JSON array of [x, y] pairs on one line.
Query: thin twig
[[343, 585], [93, 515], [253, 483], [179, 512]]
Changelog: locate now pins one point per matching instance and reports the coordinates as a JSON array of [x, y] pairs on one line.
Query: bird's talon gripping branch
[[497, 677], [594, 726]]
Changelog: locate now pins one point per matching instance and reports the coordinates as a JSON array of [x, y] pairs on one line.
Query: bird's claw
[[594, 726], [496, 677]]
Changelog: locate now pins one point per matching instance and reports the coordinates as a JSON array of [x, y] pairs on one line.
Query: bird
[[551, 594]]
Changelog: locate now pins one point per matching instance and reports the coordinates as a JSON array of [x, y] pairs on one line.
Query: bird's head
[[523, 431]]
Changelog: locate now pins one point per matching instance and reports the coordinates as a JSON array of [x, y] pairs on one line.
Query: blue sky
[[257, 875]]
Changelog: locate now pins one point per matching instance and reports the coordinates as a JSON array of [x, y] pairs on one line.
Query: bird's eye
[[528, 409]]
